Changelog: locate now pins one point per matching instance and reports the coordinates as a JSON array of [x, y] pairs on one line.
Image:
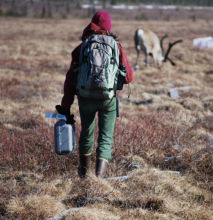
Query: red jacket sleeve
[[69, 87], [123, 60]]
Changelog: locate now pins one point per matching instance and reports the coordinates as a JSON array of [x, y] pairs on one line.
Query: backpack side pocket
[[121, 78]]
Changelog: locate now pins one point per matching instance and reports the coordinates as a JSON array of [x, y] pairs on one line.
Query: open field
[[35, 183]]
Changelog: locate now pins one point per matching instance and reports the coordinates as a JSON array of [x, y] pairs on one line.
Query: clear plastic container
[[64, 135], [64, 138]]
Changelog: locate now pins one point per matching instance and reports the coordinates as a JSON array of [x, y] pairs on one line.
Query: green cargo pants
[[106, 120]]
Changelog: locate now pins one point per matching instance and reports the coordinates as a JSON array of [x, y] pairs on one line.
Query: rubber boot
[[85, 163], [101, 167]]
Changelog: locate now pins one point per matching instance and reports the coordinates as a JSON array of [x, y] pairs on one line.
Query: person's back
[[90, 105]]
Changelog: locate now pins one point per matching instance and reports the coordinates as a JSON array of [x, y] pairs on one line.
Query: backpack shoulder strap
[[118, 43]]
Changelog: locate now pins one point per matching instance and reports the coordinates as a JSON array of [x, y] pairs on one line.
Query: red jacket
[[69, 89]]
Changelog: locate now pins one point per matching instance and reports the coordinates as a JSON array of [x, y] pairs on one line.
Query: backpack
[[98, 67]]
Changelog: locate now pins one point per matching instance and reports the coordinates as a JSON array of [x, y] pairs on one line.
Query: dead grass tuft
[[154, 204], [208, 103], [57, 188], [96, 213], [168, 106], [35, 207], [91, 190], [191, 104]]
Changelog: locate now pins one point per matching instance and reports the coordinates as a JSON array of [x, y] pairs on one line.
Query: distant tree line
[[149, 2], [166, 2], [114, 2], [73, 8]]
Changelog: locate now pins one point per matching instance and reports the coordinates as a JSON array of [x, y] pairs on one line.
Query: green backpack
[[98, 67]]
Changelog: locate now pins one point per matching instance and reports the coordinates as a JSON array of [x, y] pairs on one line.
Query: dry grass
[[35, 207], [35, 183]]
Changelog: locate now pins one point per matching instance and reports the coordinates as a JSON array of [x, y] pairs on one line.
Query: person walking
[[88, 107]]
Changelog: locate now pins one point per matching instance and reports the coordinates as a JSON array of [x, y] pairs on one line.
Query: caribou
[[148, 42]]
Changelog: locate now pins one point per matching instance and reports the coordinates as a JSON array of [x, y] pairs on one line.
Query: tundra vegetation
[[35, 183]]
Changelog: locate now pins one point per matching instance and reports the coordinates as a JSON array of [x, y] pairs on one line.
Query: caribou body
[[148, 42]]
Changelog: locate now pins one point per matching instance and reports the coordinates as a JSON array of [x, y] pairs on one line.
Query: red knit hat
[[102, 19]]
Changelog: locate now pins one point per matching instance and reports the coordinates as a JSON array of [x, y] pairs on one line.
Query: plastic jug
[[64, 135]]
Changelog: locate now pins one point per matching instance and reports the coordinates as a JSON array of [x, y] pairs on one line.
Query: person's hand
[[66, 112]]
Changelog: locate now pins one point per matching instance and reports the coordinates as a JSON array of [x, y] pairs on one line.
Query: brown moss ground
[[35, 183]]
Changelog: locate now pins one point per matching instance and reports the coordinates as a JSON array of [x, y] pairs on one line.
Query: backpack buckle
[[112, 61]]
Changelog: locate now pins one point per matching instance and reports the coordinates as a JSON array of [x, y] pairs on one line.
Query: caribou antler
[[161, 43], [169, 48]]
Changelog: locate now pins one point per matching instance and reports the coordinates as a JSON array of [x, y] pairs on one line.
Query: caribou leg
[[145, 60], [138, 53], [154, 57]]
